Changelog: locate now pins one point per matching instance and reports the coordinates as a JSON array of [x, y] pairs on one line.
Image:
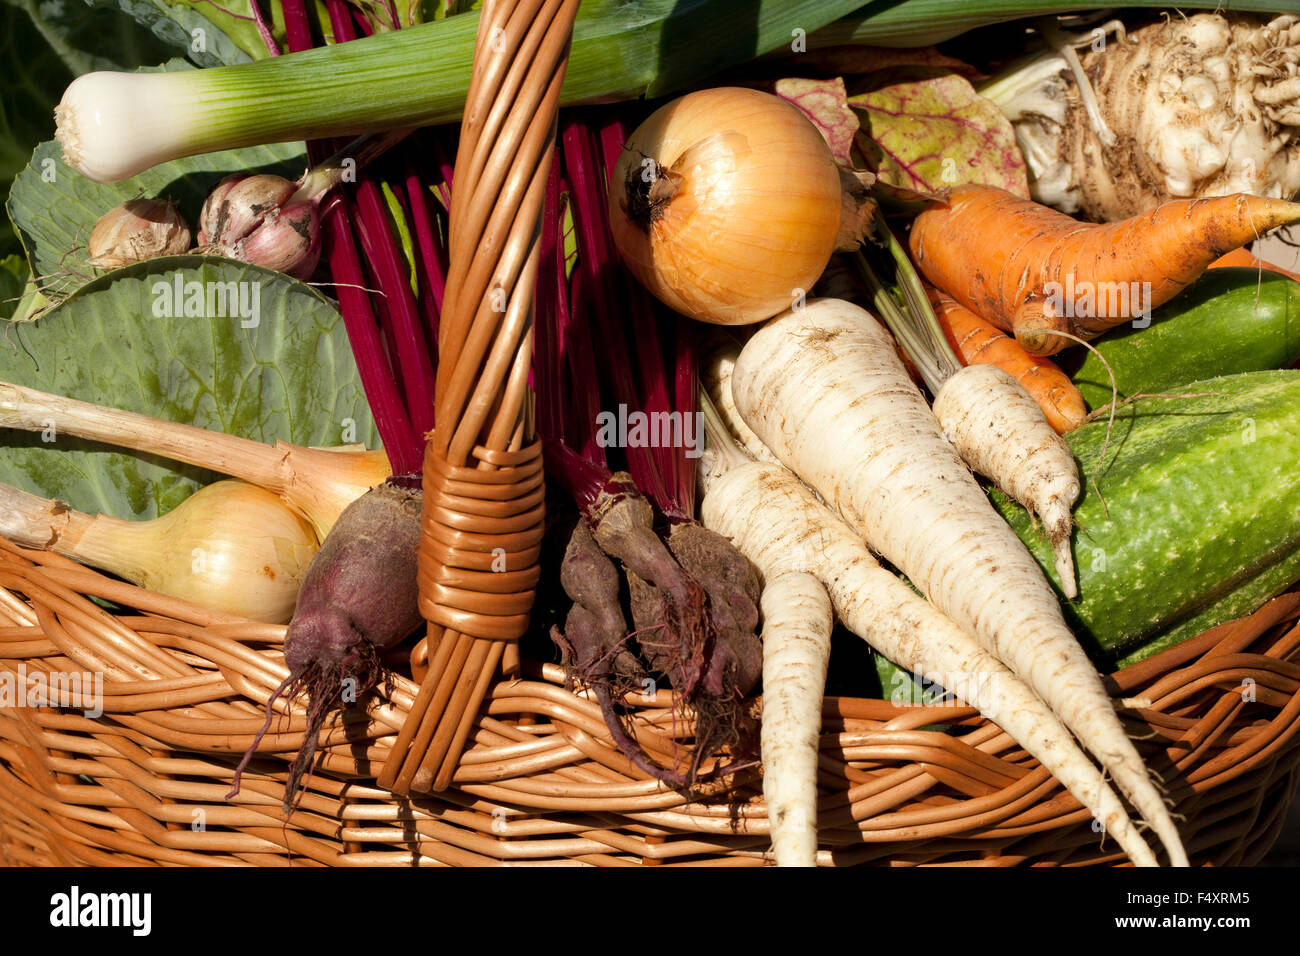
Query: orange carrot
[[977, 342], [1245, 258], [1033, 271]]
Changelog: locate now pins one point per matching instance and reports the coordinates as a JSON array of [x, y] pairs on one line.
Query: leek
[[923, 22], [114, 125]]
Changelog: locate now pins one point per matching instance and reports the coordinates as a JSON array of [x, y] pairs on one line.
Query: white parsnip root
[[715, 379], [777, 522], [998, 429], [1002, 433], [796, 651], [823, 387]]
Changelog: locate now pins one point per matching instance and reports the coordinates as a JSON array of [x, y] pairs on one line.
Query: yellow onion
[[317, 482], [726, 205], [231, 546]]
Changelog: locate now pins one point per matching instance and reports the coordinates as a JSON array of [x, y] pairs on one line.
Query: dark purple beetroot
[[735, 663], [694, 610], [358, 598]]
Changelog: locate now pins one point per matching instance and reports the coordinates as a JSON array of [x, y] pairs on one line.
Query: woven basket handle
[[483, 484]]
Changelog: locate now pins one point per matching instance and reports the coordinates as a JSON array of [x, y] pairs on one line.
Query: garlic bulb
[[239, 204], [137, 229], [251, 218]]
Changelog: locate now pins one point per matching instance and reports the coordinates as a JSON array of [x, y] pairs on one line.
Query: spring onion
[[318, 482]]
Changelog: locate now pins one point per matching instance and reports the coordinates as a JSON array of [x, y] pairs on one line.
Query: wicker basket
[[452, 763], [146, 782]]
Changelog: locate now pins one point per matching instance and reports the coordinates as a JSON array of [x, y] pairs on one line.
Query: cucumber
[[1201, 515], [1228, 321]]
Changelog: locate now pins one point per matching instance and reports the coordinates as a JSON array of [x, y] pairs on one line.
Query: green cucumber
[[1200, 521], [1228, 321]]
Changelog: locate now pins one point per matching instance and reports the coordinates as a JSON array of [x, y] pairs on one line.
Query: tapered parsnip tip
[[1065, 567]]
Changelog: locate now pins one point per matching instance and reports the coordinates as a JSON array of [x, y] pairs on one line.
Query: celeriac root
[[1183, 107]]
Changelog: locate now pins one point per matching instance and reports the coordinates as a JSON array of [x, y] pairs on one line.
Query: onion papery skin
[[747, 216]]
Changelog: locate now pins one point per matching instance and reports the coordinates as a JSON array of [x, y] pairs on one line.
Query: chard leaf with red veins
[[826, 103], [928, 133]]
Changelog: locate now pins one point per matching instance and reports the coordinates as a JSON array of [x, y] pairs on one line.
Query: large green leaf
[[13, 278], [290, 375], [20, 299], [54, 208], [208, 32]]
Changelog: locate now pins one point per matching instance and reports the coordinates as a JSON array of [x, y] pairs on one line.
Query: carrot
[[1035, 272], [1245, 258], [978, 342], [777, 522], [823, 388]]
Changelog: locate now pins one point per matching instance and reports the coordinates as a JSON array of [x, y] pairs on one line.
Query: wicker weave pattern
[[541, 783], [483, 418], [184, 689], [482, 540]]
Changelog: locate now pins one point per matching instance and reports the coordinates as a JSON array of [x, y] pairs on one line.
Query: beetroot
[[694, 610], [358, 598]]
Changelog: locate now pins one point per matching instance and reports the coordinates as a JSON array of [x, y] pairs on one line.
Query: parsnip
[[715, 379], [824, 388], [1002, 433], [993, 421], [777, 522], [797, 625]]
